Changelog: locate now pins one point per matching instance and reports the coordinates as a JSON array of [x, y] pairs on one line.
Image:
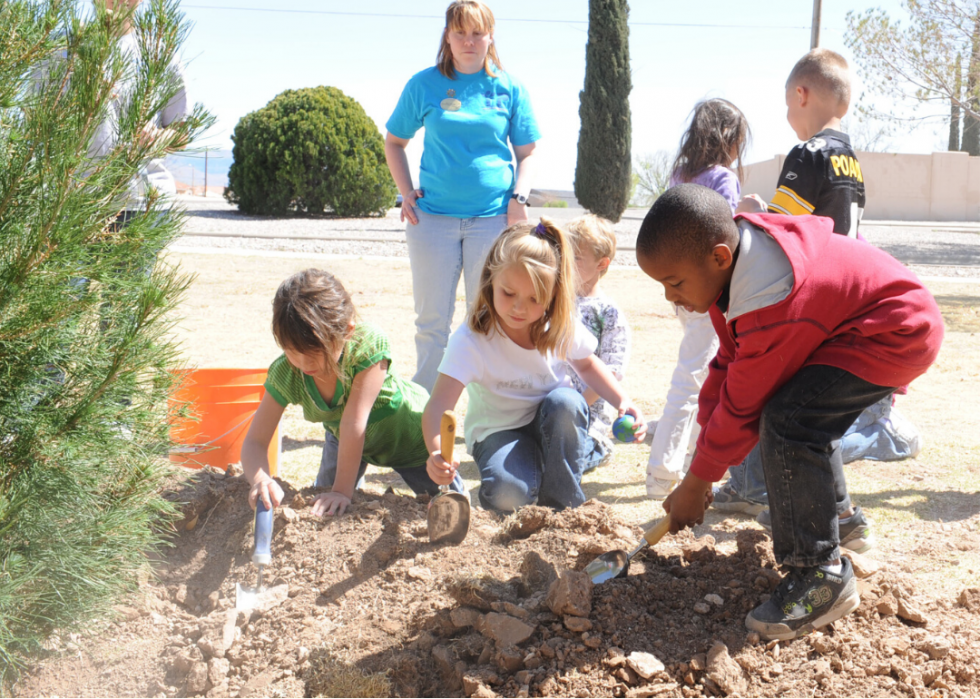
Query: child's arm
[[445, 395], [597, 376], [364, 391], [255, 453]]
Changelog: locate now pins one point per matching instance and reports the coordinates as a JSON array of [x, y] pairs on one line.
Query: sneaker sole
[[861, 545], [746, 508], [780, 632]]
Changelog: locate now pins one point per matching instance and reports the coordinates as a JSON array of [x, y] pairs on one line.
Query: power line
[[387, 15]]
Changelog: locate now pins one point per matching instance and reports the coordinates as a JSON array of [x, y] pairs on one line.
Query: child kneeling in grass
[[814, 327], [526, 427], [339, 370]]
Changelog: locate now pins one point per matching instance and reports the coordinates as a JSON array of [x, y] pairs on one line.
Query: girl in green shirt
[[339, 371]]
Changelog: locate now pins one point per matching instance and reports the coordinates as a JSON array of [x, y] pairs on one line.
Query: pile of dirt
[[364, 605]]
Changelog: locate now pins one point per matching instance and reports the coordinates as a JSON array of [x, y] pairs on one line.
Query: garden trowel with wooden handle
[[614, 564], [449, 512]]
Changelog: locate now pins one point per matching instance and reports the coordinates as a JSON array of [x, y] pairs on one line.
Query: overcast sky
[[242, 53]]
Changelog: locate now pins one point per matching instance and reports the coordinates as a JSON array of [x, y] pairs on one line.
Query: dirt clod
[[570, 594], [504, 629], [725, 672], [646, 665]]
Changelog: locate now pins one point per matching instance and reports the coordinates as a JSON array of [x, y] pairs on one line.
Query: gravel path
[[931, 249]]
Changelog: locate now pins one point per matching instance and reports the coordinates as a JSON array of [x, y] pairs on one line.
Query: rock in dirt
[[909, 612], [970, 598], [464, 616], [702, 607], [571, 594], [197, 679], [823, 644], [536, 573], [935, 647], [526, 521], [725, 672], [577, 624], [864, 567], [702, 549], [479, 592], [646, 665], [218, 669], [887, 605], [474, 687], [229, 631], [505, 629], [714, 599], [510, 660]]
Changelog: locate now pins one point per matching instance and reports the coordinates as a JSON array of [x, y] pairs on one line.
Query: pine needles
[[86, 366]]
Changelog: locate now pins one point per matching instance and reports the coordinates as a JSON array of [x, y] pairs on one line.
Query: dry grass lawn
[[917, 506]]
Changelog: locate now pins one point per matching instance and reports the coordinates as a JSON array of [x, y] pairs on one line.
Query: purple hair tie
[[540, 230]]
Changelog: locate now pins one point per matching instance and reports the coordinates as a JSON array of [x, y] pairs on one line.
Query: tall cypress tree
[[602, 173], [85, 311]]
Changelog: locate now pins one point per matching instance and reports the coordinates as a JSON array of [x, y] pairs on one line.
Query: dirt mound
[[368, 606]]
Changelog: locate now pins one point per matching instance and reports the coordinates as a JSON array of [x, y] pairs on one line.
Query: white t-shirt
[[505, 382]]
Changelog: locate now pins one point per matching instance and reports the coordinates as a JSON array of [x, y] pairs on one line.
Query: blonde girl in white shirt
[[526, 426]]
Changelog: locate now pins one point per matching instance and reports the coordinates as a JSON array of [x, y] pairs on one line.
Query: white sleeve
[[583, 344], [463, 360]]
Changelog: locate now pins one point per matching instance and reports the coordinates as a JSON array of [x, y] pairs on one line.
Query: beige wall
[[900, 187]]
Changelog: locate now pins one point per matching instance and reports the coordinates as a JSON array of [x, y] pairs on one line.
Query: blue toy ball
[[623, 429]]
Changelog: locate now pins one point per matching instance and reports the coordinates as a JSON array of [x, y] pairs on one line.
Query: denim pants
[[416, 478], [543, 460], [440, 248], [868, 438], [799, 443]]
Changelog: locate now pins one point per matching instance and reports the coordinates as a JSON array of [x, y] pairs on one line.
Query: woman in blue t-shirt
[[470, 189]]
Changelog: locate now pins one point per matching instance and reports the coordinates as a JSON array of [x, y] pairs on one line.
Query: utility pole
[[205, 172], [815, 26]]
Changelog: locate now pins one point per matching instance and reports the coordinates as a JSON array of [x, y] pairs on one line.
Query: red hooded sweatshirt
[[801, 295]]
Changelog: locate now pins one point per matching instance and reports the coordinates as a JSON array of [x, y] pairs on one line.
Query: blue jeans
[[440, 248], [416, 478], [542, 461], [800, 434], [868, 438]]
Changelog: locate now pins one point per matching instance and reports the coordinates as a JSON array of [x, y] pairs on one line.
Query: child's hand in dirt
[[440, 471], [330, 504], [267, 489], [687, 503]]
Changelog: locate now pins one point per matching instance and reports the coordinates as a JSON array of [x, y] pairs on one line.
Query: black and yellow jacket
[[822, 177]]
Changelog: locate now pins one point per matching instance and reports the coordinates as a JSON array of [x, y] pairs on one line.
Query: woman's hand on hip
[[408, 206], [516, 212]]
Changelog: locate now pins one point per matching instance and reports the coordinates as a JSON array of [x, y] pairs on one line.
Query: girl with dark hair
[[715, 140], [340, 371]]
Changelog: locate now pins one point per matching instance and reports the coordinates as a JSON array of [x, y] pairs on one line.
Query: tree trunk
[[602, 173], [954, 111], [971, 126]]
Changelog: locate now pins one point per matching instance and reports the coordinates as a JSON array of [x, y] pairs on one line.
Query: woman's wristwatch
[[521, 198]]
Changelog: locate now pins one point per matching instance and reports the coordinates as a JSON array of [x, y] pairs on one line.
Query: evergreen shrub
[[311, 150], [86, 312]]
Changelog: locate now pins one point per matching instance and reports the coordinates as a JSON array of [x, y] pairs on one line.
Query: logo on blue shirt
[[497, 102]]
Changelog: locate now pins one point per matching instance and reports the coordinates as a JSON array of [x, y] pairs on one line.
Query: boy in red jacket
[[814, 328]]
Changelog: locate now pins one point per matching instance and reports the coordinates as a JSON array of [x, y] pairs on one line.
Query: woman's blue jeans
[[440, 248], [542, 461]]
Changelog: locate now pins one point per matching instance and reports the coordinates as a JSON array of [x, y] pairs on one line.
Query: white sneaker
[[902, 431], [659, 488]]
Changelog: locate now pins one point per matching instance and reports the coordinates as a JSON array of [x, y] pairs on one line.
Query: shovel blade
[[245, 598], [612, 564], [449, 518]]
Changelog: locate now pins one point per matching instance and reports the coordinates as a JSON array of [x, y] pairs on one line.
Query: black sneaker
[[806, 599], [855, 533]]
